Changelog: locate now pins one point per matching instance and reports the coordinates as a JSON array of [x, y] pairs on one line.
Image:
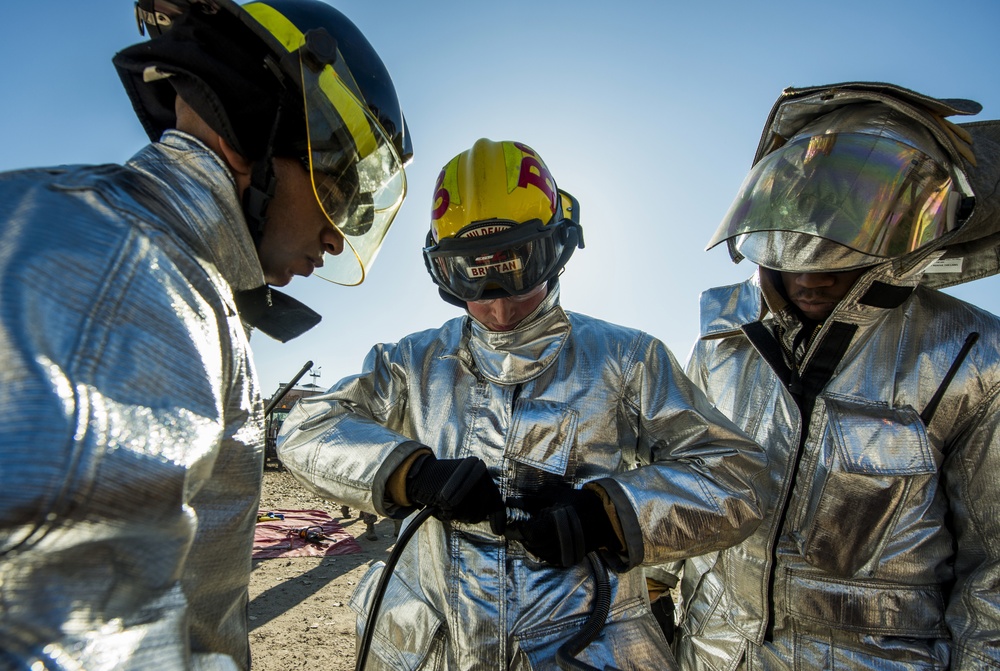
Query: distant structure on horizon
[[272, 424]]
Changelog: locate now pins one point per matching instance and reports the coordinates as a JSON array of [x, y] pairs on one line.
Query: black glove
[[457, 489], [563, 526]]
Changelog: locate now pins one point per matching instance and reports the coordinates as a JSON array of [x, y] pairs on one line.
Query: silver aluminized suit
[[880, 545], [564, 398], [130, 419]]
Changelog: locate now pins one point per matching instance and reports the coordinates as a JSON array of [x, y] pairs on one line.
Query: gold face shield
[[871, 194]]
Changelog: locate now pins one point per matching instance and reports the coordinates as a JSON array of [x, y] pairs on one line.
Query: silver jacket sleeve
[[130, 416]]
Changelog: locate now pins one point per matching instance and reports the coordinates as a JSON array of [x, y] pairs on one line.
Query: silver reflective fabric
[[565, 398], [880, 541], [130, 419]]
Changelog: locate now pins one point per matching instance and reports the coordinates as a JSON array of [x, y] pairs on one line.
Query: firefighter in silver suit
[[131, 437], [587, 431], [876, 396]]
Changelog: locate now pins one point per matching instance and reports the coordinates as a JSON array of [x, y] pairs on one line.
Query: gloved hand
[[457, 489], [563, 526]]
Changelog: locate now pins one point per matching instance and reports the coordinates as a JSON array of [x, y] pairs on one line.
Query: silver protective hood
[[962, 224]]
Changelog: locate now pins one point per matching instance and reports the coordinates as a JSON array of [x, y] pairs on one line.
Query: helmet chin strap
[[272, 312], [258, 194], [257, 197]]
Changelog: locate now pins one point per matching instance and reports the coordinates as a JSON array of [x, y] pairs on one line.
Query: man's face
[[297, 233], [817, 294], [504, 314]]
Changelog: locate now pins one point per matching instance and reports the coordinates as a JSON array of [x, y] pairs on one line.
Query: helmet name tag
[[508, 266]]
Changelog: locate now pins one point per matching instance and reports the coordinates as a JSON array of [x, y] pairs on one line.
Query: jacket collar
[[211, 218], [515, 357], [724, 310], [185, 177]]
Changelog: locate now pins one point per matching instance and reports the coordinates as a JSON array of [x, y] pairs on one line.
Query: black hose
[[567, 652], [383, 581]]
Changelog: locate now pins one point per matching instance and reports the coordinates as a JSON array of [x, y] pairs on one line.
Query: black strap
[[275, 314], [887, 296], [808, 383], [826, 357], [928, 414], [258, 194], [764, 342]]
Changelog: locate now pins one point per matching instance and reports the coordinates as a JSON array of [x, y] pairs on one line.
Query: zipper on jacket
[[795, 389], [804, 388]]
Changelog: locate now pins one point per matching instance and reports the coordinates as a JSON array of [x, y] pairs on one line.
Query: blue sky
[[648, 112]]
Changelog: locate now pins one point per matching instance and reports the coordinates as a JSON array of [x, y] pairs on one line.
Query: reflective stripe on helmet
[[347, 105]]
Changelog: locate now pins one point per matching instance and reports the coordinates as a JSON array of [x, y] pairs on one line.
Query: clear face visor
[[509, 263], [872, 194], [356, 172]]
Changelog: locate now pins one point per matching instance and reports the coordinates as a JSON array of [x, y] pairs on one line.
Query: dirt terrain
[[299, 617]]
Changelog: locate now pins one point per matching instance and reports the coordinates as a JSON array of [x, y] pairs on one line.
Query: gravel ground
[[299, 617]]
